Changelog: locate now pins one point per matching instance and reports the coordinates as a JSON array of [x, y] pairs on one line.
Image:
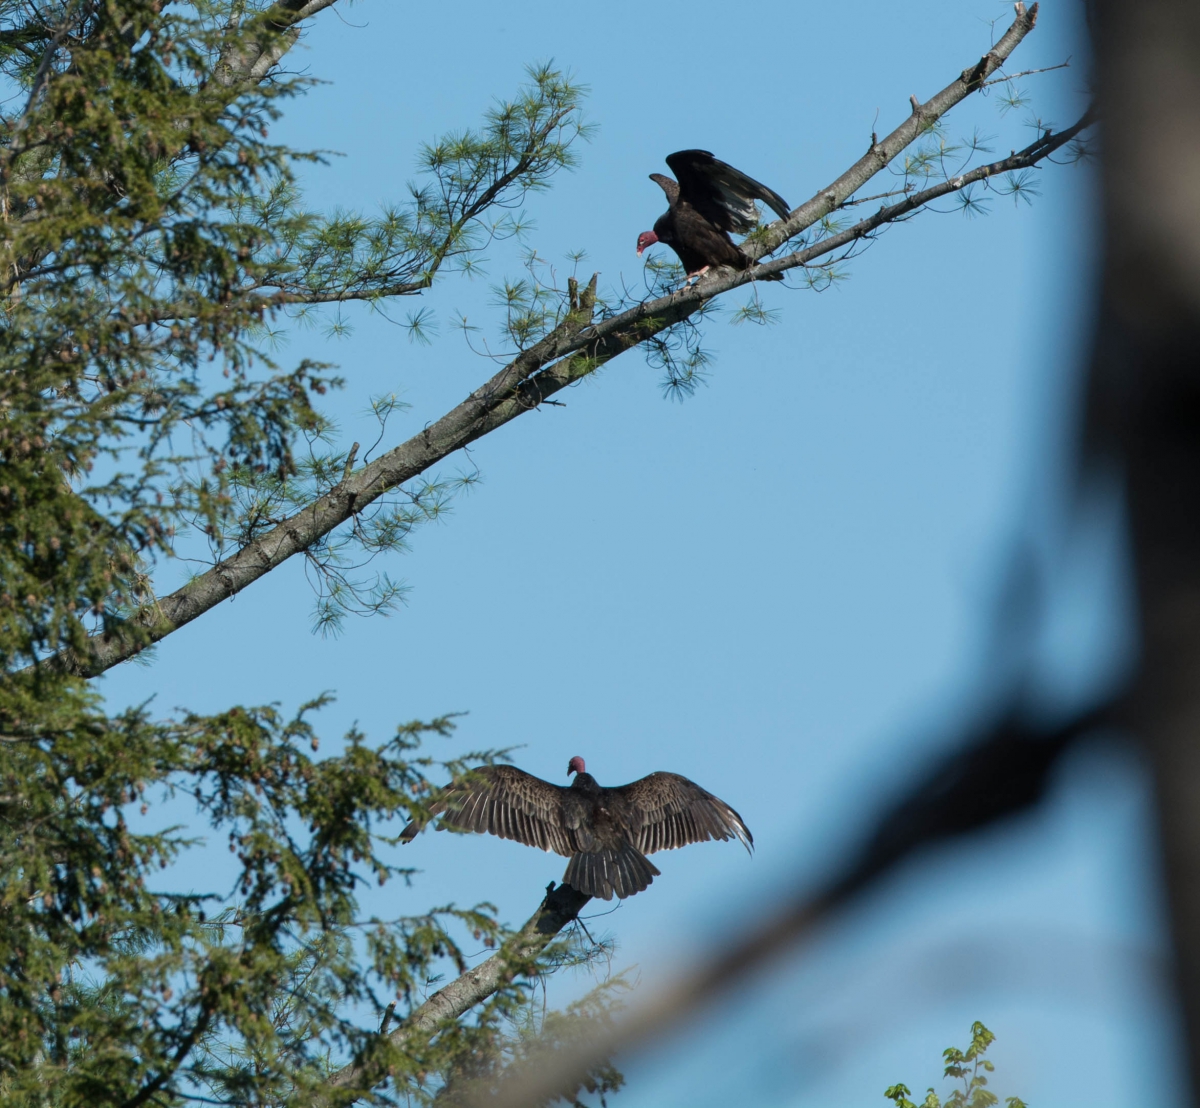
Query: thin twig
[[40, 80], [1022, 159], [855, 201], [348, 468], [1026, 73]]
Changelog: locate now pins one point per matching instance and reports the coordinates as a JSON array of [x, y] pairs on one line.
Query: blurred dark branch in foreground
[[1143, 412], [1000, 773], [1144, 408]]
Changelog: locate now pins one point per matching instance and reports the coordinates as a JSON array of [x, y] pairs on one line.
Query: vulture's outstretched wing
[[670, 187], [666, 811], [504, 801], [723, 195]]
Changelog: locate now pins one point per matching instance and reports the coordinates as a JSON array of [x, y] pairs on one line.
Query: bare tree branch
[[881, 154], [516, 958], [41, 78], [1034, 153], [1026, 73], [571, 351], [256, 46]]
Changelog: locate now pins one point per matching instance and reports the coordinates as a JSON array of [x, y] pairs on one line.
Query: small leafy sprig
[[968, 1066]]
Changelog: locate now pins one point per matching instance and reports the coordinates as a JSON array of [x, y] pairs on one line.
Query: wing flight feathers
[[507, 802], [723, 194], [671, 188], [666, 811]]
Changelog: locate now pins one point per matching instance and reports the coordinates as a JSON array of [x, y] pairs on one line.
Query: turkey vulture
[[709, 200], [606, 833]]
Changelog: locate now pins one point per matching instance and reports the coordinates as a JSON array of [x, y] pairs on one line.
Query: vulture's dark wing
[[666, 811], [671, 188], [505, 801], [723, 195]]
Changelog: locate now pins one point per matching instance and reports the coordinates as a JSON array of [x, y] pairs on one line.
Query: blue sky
[[784, 587]]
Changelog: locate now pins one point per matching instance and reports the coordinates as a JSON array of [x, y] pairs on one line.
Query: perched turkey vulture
[[709, 200], [606, 833]]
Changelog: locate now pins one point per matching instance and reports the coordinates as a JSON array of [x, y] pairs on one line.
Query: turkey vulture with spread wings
[[709, 199], [606, 833]]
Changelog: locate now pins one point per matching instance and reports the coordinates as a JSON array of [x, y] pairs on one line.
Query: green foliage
[[754, 311], [1020, 186], [1012, 97], [968, 1066], [154, 242], [108, 983]]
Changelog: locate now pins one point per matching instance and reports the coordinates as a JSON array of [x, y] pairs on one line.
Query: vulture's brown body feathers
[[709, 200], [606, 833]]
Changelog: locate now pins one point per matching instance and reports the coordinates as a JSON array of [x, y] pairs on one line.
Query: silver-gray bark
[[571, 351], [516, 958]]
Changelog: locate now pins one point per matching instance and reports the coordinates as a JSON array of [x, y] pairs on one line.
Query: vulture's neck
[[586, 782]]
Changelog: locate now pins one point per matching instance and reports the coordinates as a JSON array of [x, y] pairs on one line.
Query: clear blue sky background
[[784, 587]]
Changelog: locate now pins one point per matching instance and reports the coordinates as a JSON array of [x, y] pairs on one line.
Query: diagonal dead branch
[[1004, 771], [882, 153], [256, 46], [570, 352], [456, 429], [1027, 158], [515, 959], [15, 147]]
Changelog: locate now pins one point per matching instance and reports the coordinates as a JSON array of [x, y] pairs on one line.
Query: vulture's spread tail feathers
[[624, 871]]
